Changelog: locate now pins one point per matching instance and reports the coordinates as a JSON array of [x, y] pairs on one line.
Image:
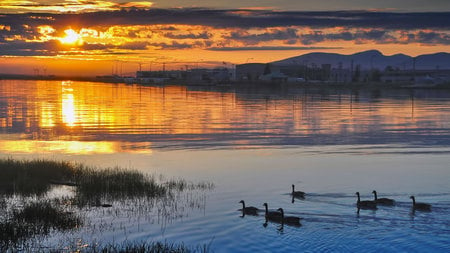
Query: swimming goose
[[272, 215], [251, 210], [365, 204], [297, 194], [420, 206], [382, 201], [289, 220]]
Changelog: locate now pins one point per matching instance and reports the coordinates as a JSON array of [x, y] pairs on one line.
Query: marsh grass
[[36, 177], [182, 185], [47, 216], [36, 218], [32, 177], [115, 184], [147, 247], [27, 212]]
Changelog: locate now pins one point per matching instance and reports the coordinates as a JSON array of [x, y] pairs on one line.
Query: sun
[[71, 37]]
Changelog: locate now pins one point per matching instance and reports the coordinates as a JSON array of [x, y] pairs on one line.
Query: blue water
[[252, 144]]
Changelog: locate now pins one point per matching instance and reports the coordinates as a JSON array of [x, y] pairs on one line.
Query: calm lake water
[[253, 144]]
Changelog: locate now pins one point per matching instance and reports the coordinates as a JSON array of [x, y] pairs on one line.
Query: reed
[[182, 185], [26, 212], [147, 247], [47, 215], [32, 177], [35, 177], [36, 218], [114, 184]]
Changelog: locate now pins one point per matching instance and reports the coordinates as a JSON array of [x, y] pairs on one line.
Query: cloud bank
[[143, 29]]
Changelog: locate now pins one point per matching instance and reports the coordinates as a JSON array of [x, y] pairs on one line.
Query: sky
[[80, 37]]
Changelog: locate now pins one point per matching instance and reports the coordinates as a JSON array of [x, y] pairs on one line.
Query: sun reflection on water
[[68, 104], [70, 147]]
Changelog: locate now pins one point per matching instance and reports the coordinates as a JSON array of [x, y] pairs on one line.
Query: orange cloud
[[9, 6]]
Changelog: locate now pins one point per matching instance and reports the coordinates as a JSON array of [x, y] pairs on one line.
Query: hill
[[371, 59]]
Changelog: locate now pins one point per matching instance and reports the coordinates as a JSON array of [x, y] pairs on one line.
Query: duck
[[271, 215], [382, 201], [297, 194], [365, 204], [251, 210], [289, 220], [420, 206]]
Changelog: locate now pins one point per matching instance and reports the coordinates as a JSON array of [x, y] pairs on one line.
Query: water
[[252, 144]]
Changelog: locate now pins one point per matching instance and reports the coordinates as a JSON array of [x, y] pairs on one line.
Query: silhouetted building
[[249, 71]]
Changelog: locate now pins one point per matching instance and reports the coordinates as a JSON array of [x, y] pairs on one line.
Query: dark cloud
[[172, 46], [252, 39], [139, 45], [92, 46], [54, 47], [21, 48], [430, 38], [128, 46], [203, 35], [234, 19], [268, 48], [377, 36]]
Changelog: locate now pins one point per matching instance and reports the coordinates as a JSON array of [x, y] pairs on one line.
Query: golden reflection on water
[[67, 147], [83, 117], [68, 104]]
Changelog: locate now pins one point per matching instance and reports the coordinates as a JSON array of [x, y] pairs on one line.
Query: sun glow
[[71, 37]]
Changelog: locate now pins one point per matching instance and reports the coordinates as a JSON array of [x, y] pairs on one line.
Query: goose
[[289, 220], [366, 204], [271, 215], [297, 194], [382, 201], [420, 206], [251, 210]]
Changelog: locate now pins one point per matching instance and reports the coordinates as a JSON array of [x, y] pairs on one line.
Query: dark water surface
[[252, 144]]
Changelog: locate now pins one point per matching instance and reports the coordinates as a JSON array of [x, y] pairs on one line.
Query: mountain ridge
[[371, 59]]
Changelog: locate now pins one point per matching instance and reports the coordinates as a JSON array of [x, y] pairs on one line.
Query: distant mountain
[[370, 59]]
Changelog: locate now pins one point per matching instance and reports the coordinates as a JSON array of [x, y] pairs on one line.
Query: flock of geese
[[278, 216]]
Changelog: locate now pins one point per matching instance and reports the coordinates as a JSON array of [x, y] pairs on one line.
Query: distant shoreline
[[253, 84], [58, 78]]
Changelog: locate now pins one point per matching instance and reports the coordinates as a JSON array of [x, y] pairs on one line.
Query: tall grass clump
[[36, 218], [47, 216], [35, 177], [182, 185], [32, 177], [115, 184], [147, 247]]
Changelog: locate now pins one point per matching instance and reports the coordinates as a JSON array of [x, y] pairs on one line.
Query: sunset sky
[[78, 37]]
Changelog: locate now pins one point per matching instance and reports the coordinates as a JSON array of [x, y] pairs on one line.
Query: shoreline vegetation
[[28, 213], [167, 81]]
